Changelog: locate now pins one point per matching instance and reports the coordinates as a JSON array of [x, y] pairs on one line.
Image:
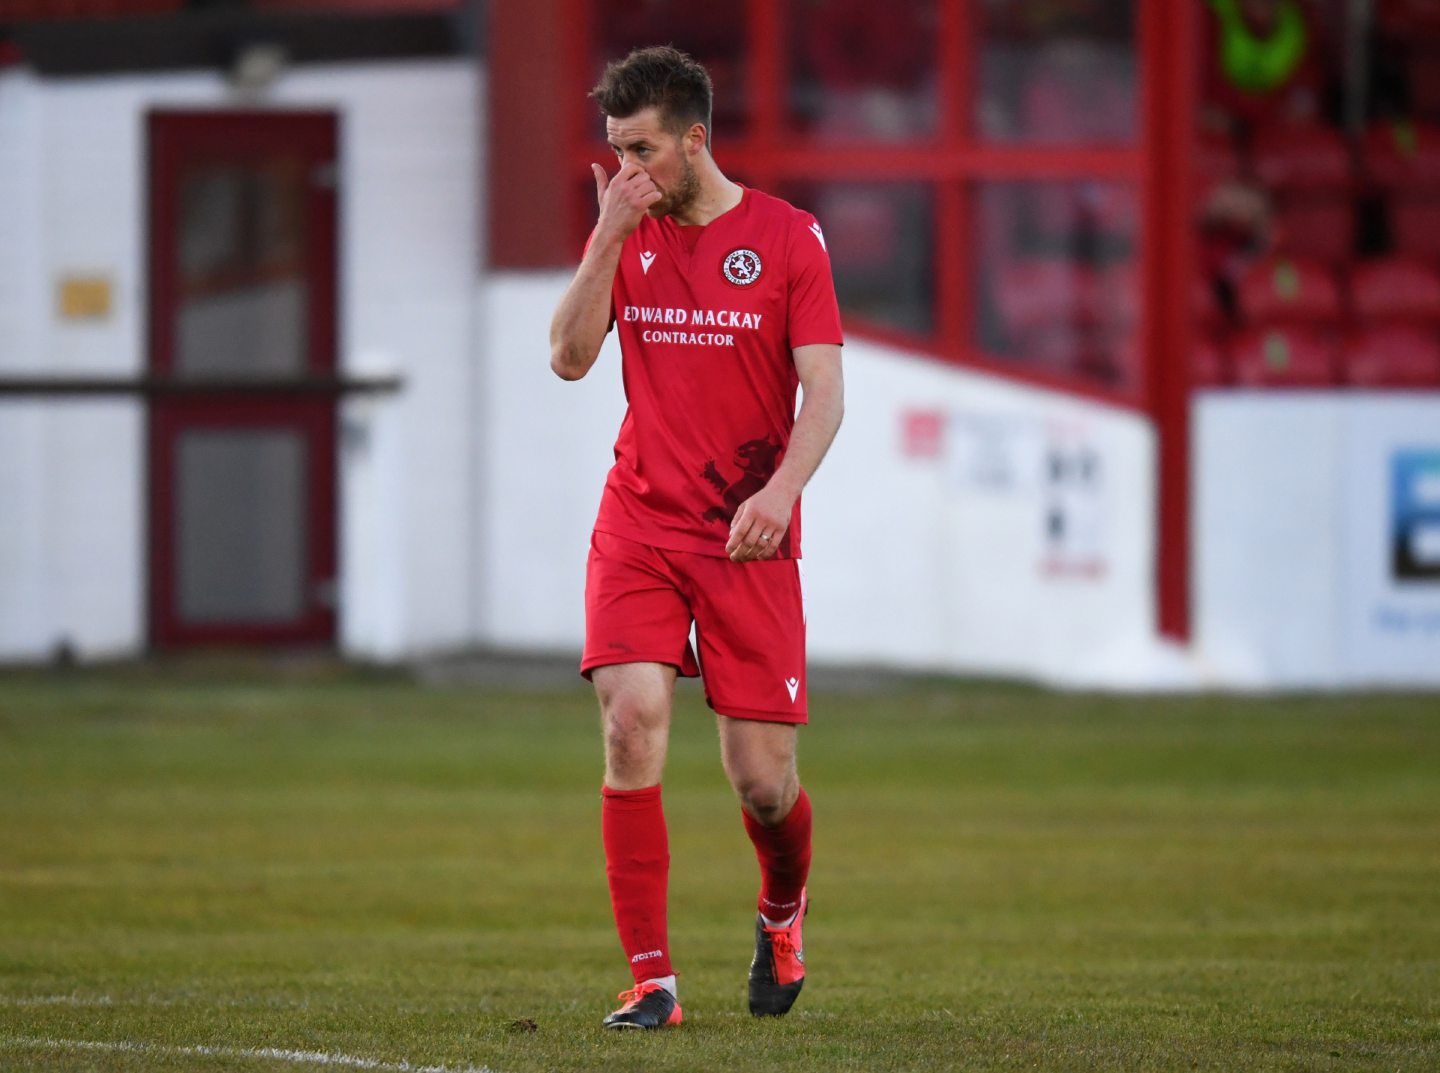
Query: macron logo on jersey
[[646, 260], [819, 236]]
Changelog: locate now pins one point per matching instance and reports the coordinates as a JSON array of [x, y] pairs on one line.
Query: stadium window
[[1058, 73], [880, 237], [863, 71], [713, 33], [1057, 287], [940, 143]]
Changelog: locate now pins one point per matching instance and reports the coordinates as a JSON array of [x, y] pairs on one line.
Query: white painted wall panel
[[909, 561], [21, 292], [410, 254], [546, 451], [97, 572], [1295, 518], [1267, 551], [24, 631], [25, 627]]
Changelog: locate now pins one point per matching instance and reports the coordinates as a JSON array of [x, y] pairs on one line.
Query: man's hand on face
[[623, 199]]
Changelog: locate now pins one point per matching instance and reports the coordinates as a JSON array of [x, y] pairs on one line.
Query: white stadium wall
[[72, 473]]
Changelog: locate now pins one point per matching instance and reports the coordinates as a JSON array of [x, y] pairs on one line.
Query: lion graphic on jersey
[[757, 462]]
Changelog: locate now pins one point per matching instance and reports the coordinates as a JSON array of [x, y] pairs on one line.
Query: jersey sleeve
[[813, 314]]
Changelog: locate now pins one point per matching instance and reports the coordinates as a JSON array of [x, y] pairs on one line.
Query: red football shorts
[[749, 623]]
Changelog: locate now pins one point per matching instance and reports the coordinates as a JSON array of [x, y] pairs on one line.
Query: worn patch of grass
[[1004, 879]]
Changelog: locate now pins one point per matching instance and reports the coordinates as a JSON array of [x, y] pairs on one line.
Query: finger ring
[[764, 536]]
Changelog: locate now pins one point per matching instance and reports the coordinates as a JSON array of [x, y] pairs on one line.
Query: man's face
[[642, 139]]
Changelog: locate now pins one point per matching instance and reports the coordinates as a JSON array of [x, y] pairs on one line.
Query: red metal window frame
[[554, 67], [1171, 40], [952, 160]]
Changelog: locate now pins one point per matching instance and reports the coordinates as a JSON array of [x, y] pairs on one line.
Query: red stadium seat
[[1120, 296], [1415, 224], [1060, 210], [1310, 174], [1400, 18], [1112, 362], [1216, 161], [1402, 156], [1302, 157], [1393, 355], [1210, 363], [1283, 356], [1205, 303], [1285, 289], [1316, 226], [1395, 288], [1408, 38], [1422, 68], [1075, 350], [1043, 293], [1121, 361]]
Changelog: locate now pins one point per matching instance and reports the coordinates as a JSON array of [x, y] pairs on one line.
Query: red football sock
[[637, 863], [784, 854]]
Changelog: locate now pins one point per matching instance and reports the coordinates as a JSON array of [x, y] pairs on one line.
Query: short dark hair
[[661, 77]]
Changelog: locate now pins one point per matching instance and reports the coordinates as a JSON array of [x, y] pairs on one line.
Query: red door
[[242, 355]]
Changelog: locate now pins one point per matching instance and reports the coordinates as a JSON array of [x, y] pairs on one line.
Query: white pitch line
[[302, 1058]]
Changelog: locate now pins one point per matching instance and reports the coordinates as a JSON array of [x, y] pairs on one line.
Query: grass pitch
[[230, 872]]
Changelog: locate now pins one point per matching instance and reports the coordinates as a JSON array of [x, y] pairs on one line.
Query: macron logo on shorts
[[792, 684]]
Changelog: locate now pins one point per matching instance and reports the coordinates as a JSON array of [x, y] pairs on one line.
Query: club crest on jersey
[[742, 267]]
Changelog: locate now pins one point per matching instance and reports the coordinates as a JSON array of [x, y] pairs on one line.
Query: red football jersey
[[707, 326]]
